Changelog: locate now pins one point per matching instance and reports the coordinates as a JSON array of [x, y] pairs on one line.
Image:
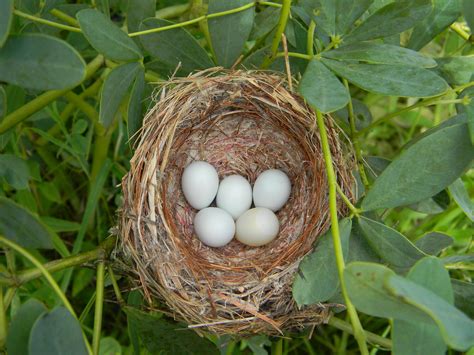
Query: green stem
[[99, 305], [310, 39], [101, 148], [3, 321], [52, 282], [332, 183], [268, 3], [65, 17], [373, 338], [57, 265], [384, 335], [9, 296], [115, 286], [284, 14], [46, 22], [294, 54], [356, 211], [456, 27], [87, 109], [355, 142], [194, 20], [172, 11], [43, 100]]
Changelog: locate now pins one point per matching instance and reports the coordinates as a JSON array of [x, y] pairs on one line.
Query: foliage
[[397, 76]]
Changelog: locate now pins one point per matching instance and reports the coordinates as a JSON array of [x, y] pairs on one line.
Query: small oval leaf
[[14, 170]]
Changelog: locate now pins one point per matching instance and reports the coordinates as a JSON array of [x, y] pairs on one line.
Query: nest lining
[[241, 122]]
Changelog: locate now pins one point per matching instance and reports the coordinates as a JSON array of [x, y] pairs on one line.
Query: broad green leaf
[[229, 33], [265, 21], [359, 248], [363, 116], [255, 60], [444, 13], [3, 103], [317, 279], [389, 244], [324, 15], [21, 227], [433, 243], [419, 338], [463, 296], [137, 11], [469, 110], [6, 16], [115, 89], [365, 283], [390, 79], [174, 46], [57, 332], [391, 19], [106, 37], [347, 12], [456, 70], [436, 204], [21, 324], [423, 169], [468, 13], [459, 192], [36, 61], [322, 89], [457, 329], [135, 117], [14, 170], [60, 225], [162, 336], [378, 53], [109, 346]]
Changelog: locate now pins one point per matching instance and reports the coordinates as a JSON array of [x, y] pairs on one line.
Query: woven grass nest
[[241, 122]]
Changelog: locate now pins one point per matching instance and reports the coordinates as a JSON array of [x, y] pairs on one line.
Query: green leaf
[[21, 227], [57, 332], [359, 248], [423, 169], [444, 13], [60, 225], [419, 338], [14, 170], [389, 244], [36, 61], [459, 193], [174, 46], [166, 337], [135, 117], [347, 12], [322, 89], [378, 53], [6, 16], [265, 21], [109, 346], [457, 329], [106, 37], [21, 324], [469, 110], [468, 13], [456, 70], [137, 11], [363, 116], [463, 296], [391, 19], [229, 33], [317, 279], [3, 103], [390, 79], [433, 243], [115, 89]]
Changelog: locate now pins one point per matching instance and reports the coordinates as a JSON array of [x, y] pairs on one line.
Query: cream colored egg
[[214, 227], [234, 195], [256, 227], [200, 183], [271, 189]]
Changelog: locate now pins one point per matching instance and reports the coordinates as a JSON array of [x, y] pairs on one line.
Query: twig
[[287, 61], [46, 22]]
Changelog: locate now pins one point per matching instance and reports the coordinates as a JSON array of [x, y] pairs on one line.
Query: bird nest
[[241, 122]]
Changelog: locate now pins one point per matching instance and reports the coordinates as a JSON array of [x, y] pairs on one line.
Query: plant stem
[[332, 183], [294, 54], [268, 3], [373, 338], [284, 14], [43, 100], [60, 264], [356, 211], [115, 286], [172, 11], [310, 39], [99, 305], [46, 22], [355, 142], [456, 27], [3, 321], [47, 276], [87, 109], [65, 17], [101, 148]]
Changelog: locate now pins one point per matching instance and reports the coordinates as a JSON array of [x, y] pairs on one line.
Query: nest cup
[[241, 122]]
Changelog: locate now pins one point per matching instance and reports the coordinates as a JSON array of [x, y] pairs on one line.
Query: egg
[[214, 227], [256, 227], [271, 189], [200, 183], [234, 195]]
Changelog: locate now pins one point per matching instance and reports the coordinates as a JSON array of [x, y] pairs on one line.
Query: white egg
[[214, 226], [271, 189], [258, 226], [234, 195], [200, 183]]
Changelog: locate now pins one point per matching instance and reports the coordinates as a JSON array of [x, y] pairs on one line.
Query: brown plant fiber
[[241, 122]]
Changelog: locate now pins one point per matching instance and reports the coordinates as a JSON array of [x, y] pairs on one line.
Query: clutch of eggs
[[233, 216]]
